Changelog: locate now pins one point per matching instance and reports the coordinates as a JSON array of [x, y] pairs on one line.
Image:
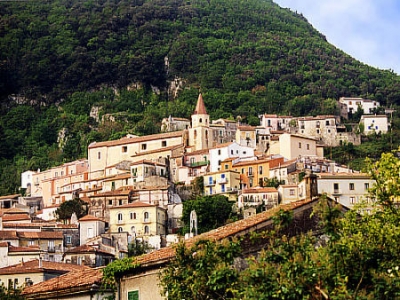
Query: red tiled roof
[[19, 217], [33, 248], [133, 205], [41, 235], [232, 229], [32, 266], [65, 284], [13, 196], [260, 190], [200, 107], [133, 140], [90, 218], [8, 235], [88, 249]]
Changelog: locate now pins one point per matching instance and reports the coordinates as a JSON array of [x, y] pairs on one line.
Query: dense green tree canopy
[[356, 257], [212, 212]]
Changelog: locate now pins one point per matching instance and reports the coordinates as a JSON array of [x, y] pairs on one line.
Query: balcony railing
[[208, 183], [222, 180], [199, 163]]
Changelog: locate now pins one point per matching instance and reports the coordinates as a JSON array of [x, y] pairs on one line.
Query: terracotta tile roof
[[163, 149], [200, 107], [19, 217], [246, 128], [14, 196], [89, 218], [8, 235], [133, 205], [15, 210], [33, 266], [88, 249], [118, 177], [344, 175], [65, 284], [33, 248], [260, 190], [133, 140], [41, 234], [222, 145], [3, 244], [202, 151], [232, 229]]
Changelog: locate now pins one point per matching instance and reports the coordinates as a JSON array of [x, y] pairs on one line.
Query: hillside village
[[134, 187]]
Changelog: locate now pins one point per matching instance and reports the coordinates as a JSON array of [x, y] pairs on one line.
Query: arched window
[[146, 229], [120, 218], [201, 120], [146, 216], [133, 230], [119, 229]]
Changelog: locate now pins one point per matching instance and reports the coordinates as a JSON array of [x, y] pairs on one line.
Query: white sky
[[368, 30]]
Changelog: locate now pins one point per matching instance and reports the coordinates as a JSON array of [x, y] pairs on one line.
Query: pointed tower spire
[[200, 107]]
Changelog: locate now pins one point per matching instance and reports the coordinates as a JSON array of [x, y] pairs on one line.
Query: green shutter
[[133, 295]]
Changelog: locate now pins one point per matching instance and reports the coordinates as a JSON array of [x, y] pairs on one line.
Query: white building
[[350, 105], [228, 150], [347, 189], [375, 124]]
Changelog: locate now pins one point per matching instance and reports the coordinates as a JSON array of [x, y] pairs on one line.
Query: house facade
[[374, 124], [139, 219]]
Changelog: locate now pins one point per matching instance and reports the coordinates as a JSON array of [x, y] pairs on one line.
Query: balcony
[[209, 183], [222, 180], [147, 220], [199, 163], [336, 192]]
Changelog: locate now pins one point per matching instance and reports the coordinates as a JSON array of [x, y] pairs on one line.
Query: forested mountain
[[62, 59]]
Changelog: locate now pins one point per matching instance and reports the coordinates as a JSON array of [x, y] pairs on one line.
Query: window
[[120, 229], [219, 152], [164, 144], [98, 155], [144, 146], [351, 186], [260, 170], [124, 149], [366, 186], [308, 146], [250, 171], [299, 145], [133, 215], [133, 230], [119, 216], [222, 188], [146, 216], [210, 180], [68, 239], [352, 200], [146, 229], [336, 187], [51, 245], [232, 151], [90, 232], [291, 192], [222, 176], [226, 167]]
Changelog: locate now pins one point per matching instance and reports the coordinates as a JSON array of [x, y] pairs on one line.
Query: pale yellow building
[[138, 219], [104, 154], [199, 132], [292, 146], [225, 182]]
